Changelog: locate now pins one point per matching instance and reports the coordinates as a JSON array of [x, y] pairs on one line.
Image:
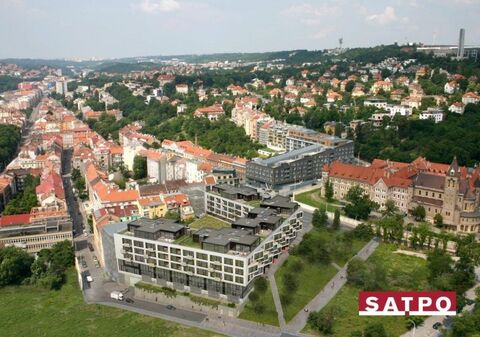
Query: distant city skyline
[[129, 28]]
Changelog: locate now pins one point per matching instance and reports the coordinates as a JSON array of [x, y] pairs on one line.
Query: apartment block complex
[[220, 262]]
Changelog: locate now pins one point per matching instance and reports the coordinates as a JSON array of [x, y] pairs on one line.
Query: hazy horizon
[[134, 28]]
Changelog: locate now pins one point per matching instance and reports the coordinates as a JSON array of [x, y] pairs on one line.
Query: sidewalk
[[328, 292]]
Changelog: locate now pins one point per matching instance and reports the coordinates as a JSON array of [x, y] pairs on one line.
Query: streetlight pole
[[414, 327]]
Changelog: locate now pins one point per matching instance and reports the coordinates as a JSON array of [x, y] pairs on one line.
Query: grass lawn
[[314, 199], [343, 250], [31, 311], [268, 317], [254, 203], [208, 221], [403, 272], [313, 277], [311, 280], [187, 240]]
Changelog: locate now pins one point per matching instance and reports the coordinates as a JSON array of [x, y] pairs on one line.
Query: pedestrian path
[[328, 292], [276, 300]]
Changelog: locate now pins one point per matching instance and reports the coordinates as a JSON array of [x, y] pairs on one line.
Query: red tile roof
[[12, 220]]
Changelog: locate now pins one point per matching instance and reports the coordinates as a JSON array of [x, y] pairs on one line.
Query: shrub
[[169, 292], [261, 285]]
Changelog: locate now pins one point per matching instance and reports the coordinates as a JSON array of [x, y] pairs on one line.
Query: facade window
[[202, 264], [202, 256], [202, 272], [138, 243], [175, 251], [187, 253]]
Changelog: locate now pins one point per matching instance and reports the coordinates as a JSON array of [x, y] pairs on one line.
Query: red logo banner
[[406, 303]]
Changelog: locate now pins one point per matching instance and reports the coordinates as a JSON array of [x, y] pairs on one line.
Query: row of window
[[432, 194], [139, 245]]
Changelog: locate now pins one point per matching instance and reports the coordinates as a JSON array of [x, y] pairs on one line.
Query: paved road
[[427, 330], [73, 207], [328, 292]]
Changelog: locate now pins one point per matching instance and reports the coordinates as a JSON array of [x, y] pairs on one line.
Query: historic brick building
[[449, 190]]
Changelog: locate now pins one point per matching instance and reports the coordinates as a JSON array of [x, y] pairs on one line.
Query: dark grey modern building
[[303, 164]]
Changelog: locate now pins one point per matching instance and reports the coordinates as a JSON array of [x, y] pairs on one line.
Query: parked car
[[437, 325], [90, 246], [171, 307], [129, 300], [89, 279]]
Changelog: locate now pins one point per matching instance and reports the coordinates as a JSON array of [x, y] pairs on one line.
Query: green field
[[31, 311], [311, 280], [208, 221], [403, 272], [313, 198], [313, 277], [268, 317]]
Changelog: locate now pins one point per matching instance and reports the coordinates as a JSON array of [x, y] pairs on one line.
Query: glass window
[[202, 264], [202, 256]]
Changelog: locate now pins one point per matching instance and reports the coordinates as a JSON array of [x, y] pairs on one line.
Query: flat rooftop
[[230, 189], [155, 225], [208, 221], [225, 236], [290, 156], [279, 201]]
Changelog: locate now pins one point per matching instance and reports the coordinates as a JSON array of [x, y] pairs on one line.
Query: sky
[[125, 28]]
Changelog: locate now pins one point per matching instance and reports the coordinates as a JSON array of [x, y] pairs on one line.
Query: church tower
[[451, 189]]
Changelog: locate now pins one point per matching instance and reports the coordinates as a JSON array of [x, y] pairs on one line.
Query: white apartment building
[[220, 263]]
